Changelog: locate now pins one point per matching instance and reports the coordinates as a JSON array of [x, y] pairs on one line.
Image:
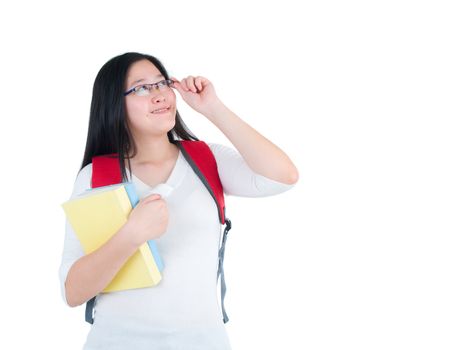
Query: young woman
[[134, 113]]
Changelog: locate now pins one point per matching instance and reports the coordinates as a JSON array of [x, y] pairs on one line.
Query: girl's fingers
[[176, 83], [198, 83], [191, 85], [187, 84], [184, 86]]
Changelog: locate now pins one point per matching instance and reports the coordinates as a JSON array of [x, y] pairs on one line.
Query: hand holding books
[[99, 213], [148, 220]]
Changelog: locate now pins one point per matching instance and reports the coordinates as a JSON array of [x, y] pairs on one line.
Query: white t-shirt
[[182, 311]]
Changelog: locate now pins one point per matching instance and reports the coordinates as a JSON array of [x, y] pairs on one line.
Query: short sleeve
[[238, 179], [72, 249]]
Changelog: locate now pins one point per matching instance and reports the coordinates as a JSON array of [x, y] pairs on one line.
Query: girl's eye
[[141, 88]]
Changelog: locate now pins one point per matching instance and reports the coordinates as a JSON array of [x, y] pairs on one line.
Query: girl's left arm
[[261, 155]]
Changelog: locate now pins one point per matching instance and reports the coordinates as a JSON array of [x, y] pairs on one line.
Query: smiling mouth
[[160, 111]]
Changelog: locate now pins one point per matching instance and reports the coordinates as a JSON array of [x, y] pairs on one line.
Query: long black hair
[[108, 130]]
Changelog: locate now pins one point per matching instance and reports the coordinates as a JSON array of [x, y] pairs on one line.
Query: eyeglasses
[[146, 89]]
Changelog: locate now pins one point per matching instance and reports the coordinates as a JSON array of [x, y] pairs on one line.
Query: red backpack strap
[[106, 170], [200, 157]]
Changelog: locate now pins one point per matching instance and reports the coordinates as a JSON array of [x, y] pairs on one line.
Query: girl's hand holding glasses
[[199, 93]]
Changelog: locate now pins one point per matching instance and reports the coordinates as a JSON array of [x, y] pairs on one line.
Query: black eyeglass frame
[[153, 86]]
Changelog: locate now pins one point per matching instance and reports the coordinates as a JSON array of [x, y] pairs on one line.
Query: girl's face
[[139, 109]]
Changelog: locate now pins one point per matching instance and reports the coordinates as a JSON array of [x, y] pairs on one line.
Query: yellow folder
[[95, 216]]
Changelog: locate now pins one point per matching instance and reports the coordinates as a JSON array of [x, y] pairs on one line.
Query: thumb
[[177, 84]]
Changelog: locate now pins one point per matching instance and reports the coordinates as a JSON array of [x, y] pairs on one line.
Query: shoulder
[[212, 145], [83, 180], [220, 151], [85, 170], [224, 153], [219, 148]]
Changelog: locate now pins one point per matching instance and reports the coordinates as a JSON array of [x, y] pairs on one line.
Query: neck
[[153, 150]]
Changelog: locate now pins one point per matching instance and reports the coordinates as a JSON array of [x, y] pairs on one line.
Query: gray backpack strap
[[89, 310], [203, 162], [220, 268]]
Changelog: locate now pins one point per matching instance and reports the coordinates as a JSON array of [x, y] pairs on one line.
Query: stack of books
[[96, 215]]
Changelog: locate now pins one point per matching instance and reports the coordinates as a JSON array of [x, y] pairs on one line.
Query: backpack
[[106, 171]]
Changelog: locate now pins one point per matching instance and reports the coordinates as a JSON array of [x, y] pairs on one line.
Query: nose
[[158, 97]]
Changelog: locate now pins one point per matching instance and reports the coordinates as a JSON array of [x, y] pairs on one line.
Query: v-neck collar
[[174, 179]]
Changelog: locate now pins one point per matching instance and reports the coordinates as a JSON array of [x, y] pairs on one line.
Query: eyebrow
[[139, 80]]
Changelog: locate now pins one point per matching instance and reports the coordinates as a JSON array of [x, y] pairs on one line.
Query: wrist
[[217, 108], [125, 235]]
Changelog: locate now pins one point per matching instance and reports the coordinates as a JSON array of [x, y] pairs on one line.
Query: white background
[[359, 94]]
